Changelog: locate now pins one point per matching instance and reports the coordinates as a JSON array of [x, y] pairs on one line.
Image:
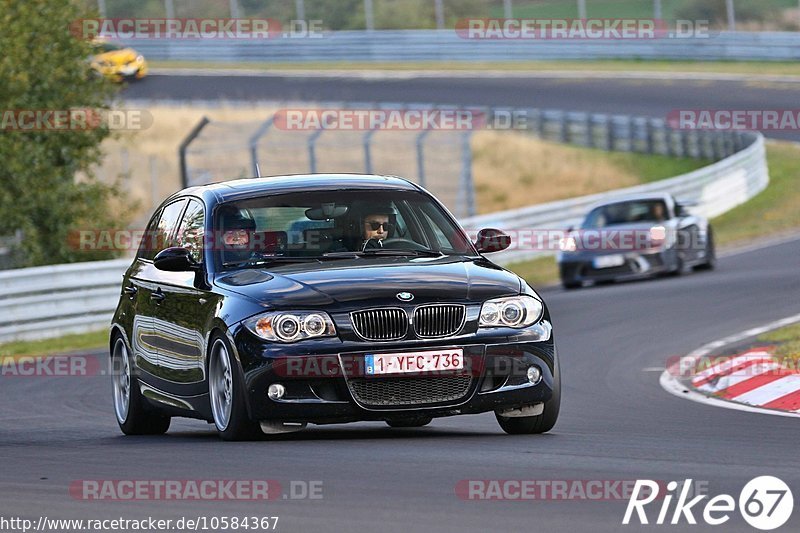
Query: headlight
[[139, 59], [511, 312], [291, 327]]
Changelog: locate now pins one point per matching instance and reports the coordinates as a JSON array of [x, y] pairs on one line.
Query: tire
[[569, 285], [410, 422], [711, 253], [531, 425], [133, 415], [679, 267], [226, 394]]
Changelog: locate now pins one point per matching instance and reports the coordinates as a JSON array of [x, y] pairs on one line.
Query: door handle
[[158, 296], [130, 290]]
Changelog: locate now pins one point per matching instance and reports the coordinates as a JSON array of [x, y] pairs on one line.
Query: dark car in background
[[263, 305], [635, 237]]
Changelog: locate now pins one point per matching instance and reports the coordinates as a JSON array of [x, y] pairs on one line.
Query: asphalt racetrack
[[614, 94], [616, 424]]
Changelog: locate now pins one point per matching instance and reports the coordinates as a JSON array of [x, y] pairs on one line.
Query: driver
[[237, 232], [657, 212], [377, 226]]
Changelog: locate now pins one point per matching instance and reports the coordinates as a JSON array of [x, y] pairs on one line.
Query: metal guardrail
[[53, 300], [447, 45]]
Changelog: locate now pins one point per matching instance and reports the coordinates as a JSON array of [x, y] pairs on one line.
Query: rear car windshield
[[626, 213]]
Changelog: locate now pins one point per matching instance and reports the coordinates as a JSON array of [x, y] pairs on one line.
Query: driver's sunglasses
[[374, 226]]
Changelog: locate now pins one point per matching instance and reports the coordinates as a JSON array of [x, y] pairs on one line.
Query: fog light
[[534, 374], [276, 390]]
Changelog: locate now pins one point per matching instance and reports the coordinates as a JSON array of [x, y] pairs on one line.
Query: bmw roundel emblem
[[405, 296]]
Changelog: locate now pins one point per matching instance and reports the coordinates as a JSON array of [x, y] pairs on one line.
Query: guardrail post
[[312, 155], [185, 145], [685, 144], [589, 131], [609, 133], [260, 132], [648, 135], [539, 122]]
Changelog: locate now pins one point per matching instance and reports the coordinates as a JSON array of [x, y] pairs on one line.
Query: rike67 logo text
[[765, 503]]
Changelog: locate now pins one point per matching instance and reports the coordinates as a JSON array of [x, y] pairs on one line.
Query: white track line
[[673, 385]]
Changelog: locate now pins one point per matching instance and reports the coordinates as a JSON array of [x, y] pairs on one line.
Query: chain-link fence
[[438, 157]]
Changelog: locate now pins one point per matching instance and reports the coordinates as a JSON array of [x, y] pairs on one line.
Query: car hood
[[354, 283]]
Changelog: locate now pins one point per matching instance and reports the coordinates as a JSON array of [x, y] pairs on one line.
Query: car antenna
[[258, 171]]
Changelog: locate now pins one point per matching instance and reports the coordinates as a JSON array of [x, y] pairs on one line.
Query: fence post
[[467, 183], [420, 142], [439, 9], [153, 181], [185, 145], [260, 132], [312, 154], [369, 15]]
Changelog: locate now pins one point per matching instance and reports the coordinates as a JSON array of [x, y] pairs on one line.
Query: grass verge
[[787, 343], [58, 345], [774, 210]]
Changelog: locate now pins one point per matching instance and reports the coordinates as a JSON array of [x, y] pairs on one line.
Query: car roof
[[246, 188], [665, 197]]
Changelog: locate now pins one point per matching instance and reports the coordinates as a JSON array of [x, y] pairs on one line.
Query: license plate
[[609, 261], [414, 362]]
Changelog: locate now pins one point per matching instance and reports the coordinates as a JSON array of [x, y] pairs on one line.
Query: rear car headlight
[[280, 326], [658, 235], [568, 244], [510, 312]]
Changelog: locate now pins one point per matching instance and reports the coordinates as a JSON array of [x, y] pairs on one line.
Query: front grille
[[381, 324], [439, 320], [381, 392]]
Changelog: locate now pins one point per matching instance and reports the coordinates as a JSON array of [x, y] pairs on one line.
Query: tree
[[43, 67]]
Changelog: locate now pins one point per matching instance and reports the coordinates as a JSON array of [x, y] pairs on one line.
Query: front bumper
[[324, 384], [580, 267]]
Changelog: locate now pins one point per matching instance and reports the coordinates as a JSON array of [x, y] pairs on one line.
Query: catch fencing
[[395, 46], [439, 160]]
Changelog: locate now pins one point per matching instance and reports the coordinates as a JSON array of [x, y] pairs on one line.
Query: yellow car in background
[[118, 63]]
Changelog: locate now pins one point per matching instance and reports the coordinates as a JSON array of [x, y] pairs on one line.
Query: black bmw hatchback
[[266, 304]]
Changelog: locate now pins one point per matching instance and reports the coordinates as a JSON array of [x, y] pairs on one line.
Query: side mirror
[[492, 240], [175, 259]]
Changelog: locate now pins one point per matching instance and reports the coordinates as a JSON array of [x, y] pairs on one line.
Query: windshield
[[626, 213], [101, 48], [326, 225]]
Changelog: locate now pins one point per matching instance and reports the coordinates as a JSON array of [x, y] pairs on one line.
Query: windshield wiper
[[384, 252], [255, 261]]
